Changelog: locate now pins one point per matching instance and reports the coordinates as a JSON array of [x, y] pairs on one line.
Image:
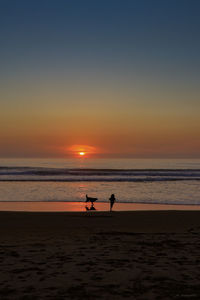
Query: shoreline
[[40, 206]]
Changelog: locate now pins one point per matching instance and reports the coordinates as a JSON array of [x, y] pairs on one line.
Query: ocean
[[158, 181]]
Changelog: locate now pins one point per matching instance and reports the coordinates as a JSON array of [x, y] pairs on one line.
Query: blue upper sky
[[100, 34]]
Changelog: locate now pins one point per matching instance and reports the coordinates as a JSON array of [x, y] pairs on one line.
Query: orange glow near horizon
[[82, 150]]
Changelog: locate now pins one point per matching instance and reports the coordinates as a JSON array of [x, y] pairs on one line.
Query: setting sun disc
[[81, 153]]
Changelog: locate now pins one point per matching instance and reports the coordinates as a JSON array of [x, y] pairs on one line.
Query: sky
[[114, 78]]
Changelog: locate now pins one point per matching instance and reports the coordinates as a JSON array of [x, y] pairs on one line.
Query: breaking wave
[[96, 175]]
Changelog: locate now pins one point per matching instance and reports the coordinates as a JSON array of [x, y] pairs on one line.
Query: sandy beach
[[100, 255]]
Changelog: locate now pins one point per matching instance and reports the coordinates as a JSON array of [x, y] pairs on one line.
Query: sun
[[82, 153]]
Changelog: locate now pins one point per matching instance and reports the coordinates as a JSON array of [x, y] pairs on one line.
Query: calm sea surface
[[173, 181]]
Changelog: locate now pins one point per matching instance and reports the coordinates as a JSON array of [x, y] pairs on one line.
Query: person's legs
[[111, 205]]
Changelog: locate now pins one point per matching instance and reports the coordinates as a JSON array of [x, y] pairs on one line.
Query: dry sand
[[100, 255]]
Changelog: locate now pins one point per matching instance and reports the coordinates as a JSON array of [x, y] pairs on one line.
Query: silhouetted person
[[112, 201]]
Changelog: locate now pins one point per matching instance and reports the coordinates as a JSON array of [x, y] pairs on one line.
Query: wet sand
[[45, 206], [100, 255]]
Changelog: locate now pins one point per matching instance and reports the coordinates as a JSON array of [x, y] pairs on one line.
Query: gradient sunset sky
[[121, 77]]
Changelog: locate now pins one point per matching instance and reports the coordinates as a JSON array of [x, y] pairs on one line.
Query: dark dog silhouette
[[90, 199]]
